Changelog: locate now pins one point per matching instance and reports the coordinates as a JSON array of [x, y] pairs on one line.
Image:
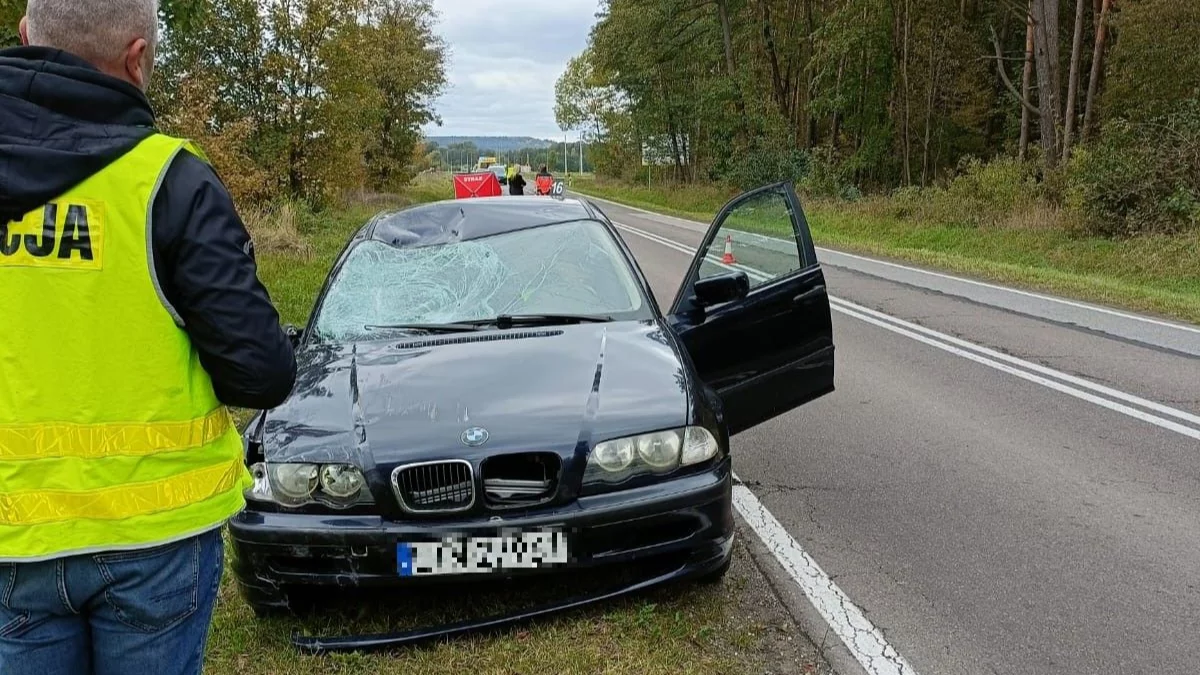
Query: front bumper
[[686, 523]]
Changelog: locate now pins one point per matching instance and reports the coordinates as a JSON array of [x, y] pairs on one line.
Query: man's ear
[[135, 63], [23, 29]]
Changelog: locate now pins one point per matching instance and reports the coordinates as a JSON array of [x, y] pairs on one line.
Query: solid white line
[[860, 636], [862, 639], [868, 645], [1024, 375], [1027, 371], [973, 282], [1028, 365]]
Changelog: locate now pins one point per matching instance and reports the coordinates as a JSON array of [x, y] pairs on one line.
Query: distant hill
[[501, 143]]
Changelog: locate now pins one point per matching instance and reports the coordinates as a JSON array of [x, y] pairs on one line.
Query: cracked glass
[[568, 268]]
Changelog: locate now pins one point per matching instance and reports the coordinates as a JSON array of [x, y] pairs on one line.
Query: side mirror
[[722, 288], [295, 335]]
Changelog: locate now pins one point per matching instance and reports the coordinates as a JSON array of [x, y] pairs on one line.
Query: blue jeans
[[137, 612]]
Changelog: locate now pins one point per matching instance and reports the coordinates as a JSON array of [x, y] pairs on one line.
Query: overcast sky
[[505, 56]]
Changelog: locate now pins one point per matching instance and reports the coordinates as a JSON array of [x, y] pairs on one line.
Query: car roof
[[465, 219]]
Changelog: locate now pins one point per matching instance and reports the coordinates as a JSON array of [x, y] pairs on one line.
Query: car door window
[[757, 237]]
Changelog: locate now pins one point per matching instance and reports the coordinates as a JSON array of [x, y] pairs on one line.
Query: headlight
[[341, 481], [613, 456], [294, 483], [658, 452]]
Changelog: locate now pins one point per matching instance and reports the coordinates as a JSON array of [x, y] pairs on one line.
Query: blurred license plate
[[476, 555]]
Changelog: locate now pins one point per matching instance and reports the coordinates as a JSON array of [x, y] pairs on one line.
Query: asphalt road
[[984, 520]]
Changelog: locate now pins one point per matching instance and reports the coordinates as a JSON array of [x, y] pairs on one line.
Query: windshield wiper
[[428, 327], [510, 320]]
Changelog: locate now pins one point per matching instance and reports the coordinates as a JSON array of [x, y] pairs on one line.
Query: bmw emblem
[[475, 437]]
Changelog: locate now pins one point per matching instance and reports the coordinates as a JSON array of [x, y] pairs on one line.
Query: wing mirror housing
[[294, 334], [722, 288]]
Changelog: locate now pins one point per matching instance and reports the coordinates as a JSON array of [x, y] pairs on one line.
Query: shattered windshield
[[569, 268]]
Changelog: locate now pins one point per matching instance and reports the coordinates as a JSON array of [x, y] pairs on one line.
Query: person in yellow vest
[[131, 315]]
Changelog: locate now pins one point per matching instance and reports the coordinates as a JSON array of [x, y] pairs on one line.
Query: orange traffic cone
[[728, 259]]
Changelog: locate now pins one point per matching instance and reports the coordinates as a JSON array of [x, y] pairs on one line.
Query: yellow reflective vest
[[111, 436]]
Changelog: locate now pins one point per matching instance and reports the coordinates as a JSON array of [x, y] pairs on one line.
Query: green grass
[[685, 629], [678, 629], [1155, 274]]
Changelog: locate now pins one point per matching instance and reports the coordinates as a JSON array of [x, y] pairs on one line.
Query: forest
[[1090, 107], [296, 100]]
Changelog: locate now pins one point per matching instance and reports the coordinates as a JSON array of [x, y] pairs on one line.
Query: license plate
[[479, 555]]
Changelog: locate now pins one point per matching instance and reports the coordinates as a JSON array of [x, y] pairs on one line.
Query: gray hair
[[95, 30]]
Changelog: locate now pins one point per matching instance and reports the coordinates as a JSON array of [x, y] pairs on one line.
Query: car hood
[[559, 388]]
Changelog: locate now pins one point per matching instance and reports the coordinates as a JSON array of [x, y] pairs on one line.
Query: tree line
[[1097, 99], [304, 99], [557, 157], [296, 99]]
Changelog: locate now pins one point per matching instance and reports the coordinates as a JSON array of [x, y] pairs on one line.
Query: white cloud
[[505, 58]]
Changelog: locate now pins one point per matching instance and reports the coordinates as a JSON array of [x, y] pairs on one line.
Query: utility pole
[[580, 153]]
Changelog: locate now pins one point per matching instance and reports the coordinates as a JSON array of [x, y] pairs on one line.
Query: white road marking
[[1012, 365], [973, 282], [860, 636], [851, 309], [866, 642], [1029, 365]]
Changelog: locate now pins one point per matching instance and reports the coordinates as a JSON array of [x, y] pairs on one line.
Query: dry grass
[[276, 230]]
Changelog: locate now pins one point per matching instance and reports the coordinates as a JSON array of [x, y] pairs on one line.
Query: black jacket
[[516, 185], [62, 121]]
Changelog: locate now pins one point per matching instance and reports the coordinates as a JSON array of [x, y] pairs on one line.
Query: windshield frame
[[648, 311]]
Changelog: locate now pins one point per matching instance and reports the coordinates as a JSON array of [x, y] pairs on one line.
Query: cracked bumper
[[686, 522]]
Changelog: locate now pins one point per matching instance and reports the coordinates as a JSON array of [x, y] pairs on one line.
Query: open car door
[[753, 311]]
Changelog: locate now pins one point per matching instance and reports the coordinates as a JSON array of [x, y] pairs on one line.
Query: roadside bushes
[[1004, 192], [1141, 177], [767, 164]]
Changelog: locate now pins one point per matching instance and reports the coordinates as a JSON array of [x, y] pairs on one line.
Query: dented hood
[[558, 388]]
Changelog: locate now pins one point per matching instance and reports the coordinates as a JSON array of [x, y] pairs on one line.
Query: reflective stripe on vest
[[111, 436]]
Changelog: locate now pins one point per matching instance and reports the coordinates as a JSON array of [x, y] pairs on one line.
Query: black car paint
[[593, 382], [772, 350], [406, 398]]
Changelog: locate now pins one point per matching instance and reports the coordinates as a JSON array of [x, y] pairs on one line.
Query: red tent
[[471, 185]]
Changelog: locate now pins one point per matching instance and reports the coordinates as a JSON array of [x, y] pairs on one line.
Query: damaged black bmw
[[487, 388]]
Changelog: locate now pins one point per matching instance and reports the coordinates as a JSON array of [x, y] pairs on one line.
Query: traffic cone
[[728, 259]]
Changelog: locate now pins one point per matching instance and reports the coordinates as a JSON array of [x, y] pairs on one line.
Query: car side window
[[758, 237]]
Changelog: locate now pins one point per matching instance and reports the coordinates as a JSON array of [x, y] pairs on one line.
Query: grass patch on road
[[1155, 274], [733, 627]]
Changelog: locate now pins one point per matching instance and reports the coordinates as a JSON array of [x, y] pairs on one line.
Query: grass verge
[[1154, 274], [732, 627]]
